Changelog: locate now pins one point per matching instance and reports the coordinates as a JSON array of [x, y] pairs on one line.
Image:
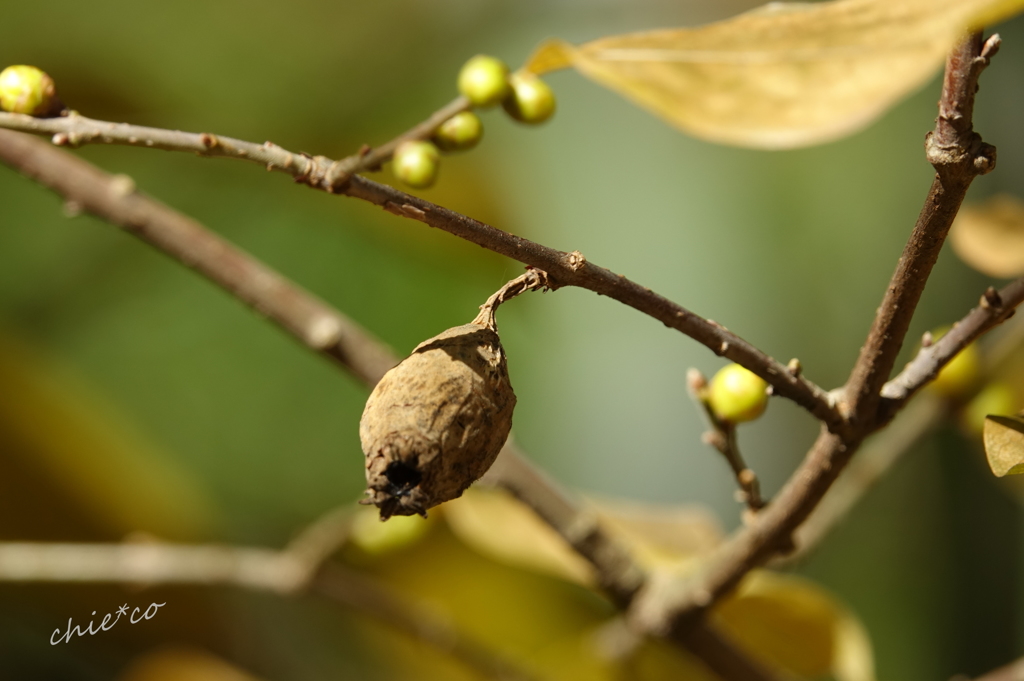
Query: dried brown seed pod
[[435, 423]]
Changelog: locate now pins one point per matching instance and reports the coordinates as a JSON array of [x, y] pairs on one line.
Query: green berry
[[531, 100], [461, 131], [416, 163], [27, 90], [736, 395], [484, 80]]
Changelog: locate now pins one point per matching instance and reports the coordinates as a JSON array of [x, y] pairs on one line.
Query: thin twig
[[566, 269], [114, 198], [958, 155], [870, 465], [153, 562], [372, 159], [531, 281], [925, 413], [298, 568], [617, 573], [300, 314], [150, 563], [722, 436], [994, 308]]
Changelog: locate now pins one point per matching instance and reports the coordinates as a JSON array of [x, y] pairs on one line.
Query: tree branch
[[958, 156], [994, 308], [341, 171], [298, 568], [722, 436], [328, 332], [925, 413], [566, 269]]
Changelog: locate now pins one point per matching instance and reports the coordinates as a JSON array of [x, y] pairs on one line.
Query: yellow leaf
[[494, 523], [990, 236], [784, 75], [794, 625], [1004, 444], [171, 664], [660, 536]]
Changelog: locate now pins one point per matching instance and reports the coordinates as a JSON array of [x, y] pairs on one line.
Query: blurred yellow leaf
[[496, 524], [1004, 444], [784, 75], [788, 622], [174, 664], [796, 626], [990, 236], [658, 535]]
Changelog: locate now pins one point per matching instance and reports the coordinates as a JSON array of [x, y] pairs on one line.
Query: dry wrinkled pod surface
[[436, 422]]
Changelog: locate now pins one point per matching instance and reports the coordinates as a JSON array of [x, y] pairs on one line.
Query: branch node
[[984, 158], [575, 261], [991, 299], [794, 367], [988, 50], [696, 382], [122, 186]]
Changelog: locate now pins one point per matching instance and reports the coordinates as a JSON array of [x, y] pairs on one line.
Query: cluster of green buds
[[28, 90], [486, 82]]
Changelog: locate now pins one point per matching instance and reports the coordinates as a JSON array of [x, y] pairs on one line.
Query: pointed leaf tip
[[1004, 444]]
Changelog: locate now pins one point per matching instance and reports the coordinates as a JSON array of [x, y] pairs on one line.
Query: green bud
[[531, 100], [484, 80], [736, 395], [28, 90], [416, 162], [461, 131]]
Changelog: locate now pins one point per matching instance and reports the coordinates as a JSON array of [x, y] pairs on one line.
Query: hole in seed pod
[[403, 476]]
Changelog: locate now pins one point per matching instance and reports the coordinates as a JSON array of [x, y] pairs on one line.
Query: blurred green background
[[221, 428]]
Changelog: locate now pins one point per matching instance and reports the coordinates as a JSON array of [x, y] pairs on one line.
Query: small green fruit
[[531, 101], [961, 373], [736, 395], [484, 80], [416, 163], [461, 131], [28, 90]]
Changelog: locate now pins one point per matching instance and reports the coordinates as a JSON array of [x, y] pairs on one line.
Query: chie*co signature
[[106, 624]]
